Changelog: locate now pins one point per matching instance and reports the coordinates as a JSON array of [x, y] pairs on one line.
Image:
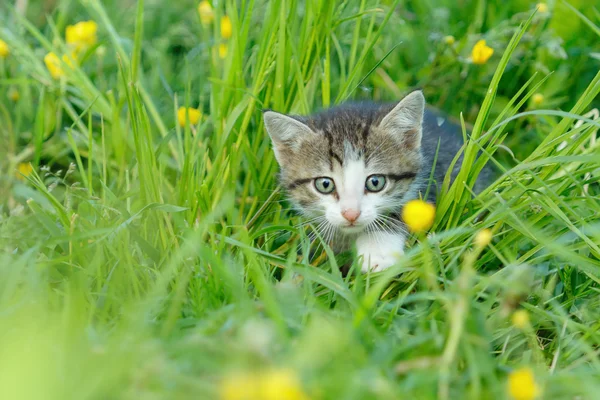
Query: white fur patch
[[379, 250]]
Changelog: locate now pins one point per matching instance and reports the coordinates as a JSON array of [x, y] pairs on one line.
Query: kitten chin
[[358, 163], [352, 230]]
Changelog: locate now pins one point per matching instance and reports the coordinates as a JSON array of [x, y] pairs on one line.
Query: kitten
[[351, 168]]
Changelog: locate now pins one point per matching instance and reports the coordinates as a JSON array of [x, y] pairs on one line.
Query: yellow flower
[[270, 385], [13, 95], [418, 215], [240, 387], [542, 8], [481, 52], [82, 35], [520, 319], [207, 15], [226, 28], [281, 385], [521, 385], [4, 50], [483, 238], [223, 48], [53, 64], [23, 170], [193, 114], [449, 40], [537, 99]]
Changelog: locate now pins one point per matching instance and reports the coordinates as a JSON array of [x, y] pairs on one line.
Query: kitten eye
[[375, 183], [324, 185]]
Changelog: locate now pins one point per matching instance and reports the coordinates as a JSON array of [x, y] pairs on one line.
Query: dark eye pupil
[[325, 184], [375, 181]]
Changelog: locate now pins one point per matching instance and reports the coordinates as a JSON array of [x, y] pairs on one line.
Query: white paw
[[379, 252], [378, 262]]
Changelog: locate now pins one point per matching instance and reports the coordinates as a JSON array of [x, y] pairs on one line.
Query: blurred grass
[[144, 259]]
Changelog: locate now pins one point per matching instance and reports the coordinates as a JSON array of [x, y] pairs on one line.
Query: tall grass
[[143, 259]]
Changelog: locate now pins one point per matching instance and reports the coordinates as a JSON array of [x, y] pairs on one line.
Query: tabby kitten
[[351, 168]]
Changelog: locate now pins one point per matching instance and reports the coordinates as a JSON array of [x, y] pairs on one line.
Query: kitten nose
[[351, 215]]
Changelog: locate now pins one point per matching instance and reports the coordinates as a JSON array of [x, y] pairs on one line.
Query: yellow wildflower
[[520, 319], [226, 28], [240, 387], [53, 64], [82, 35], [481, 52], [542, 8], [418, 215], [449, 40], [13, 95], [23, 170], [205, 10], [483, 238], [281, 385], [223, 49], [4, 50], [191, 114], [521, 385], [270, 385], [537, 99]]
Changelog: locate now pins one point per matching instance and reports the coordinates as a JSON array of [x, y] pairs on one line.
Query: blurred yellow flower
[[521, 385], [240, 387], [537, 99], [23, 170], [449, 40], [193, 114], [226, 28], [82, 35], [481, 52], [13, 95], [282, 385], [223, 49], [418, 215], [53, 64], [271, 385], [483, 237], [4, 50], [542, 7], [520, 319], [205, 10]]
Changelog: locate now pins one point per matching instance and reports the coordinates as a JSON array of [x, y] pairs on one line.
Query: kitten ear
[[285, 132], [406, 120]]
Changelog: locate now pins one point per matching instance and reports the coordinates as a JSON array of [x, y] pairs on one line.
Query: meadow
[[146, 251]]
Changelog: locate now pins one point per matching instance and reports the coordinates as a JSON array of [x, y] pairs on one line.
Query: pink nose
[[351, 215]]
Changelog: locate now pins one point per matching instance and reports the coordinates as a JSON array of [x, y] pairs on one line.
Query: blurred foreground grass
[[144, 250]]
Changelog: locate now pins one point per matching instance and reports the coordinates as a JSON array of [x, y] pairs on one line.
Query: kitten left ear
[[286, 132], [406, 120]]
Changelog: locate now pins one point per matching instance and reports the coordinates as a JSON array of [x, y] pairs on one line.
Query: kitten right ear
[[406, 119], [286, 132]]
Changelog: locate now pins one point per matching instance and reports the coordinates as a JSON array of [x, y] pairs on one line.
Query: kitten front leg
[[380, 250]]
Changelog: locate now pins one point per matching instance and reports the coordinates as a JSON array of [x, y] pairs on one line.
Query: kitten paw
[[378, 262], [380, 252]]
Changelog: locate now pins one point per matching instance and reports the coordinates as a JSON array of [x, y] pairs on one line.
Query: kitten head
[[350, 166]]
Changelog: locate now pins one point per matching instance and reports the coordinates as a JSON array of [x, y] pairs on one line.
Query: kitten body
[[351, 168]]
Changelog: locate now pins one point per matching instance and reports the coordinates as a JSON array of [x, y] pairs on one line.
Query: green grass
[[144, 260]]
